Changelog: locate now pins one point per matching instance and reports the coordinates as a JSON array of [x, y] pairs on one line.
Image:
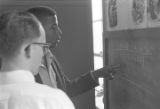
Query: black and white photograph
[[79, 54]]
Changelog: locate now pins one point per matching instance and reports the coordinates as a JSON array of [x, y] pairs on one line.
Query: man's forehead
[[53, 19]]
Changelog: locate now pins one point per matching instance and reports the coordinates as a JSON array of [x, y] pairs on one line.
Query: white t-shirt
[[18, 90]]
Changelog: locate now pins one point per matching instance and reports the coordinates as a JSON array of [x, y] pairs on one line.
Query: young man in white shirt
[[22, 46]]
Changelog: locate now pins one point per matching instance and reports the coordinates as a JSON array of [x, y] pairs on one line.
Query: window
[[98, 48]]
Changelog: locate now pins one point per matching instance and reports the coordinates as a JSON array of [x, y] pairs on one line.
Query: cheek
[[38, 57], [51, 36], [41, 53]]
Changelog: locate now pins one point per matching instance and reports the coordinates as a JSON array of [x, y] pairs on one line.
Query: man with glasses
[[22, 46], [50, 72]]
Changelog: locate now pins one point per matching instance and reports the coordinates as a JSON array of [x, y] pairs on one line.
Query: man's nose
[[60, 31]]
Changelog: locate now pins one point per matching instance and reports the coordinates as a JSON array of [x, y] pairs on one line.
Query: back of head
[[41, 12], [16, 28]]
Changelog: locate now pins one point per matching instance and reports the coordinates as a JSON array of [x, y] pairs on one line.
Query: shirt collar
[[17, 76]]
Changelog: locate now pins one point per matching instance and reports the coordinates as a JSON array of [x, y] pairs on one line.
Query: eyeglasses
[[46, 45]]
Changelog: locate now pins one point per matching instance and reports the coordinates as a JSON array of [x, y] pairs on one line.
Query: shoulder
[[41, 95], [56, 97]]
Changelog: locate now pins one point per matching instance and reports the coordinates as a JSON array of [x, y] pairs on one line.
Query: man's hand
[[107, 72]]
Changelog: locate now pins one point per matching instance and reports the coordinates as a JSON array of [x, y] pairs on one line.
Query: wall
[[75, 52]]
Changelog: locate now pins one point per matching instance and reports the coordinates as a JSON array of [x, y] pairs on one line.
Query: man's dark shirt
[[71, 87]]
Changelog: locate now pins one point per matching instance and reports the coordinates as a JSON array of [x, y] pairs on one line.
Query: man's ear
[[27, 51]]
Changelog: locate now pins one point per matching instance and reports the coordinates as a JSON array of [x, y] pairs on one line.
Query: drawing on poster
[[138, 9], [126, 14], [112, 13], [117, 17], [139, 14], [153, 13]]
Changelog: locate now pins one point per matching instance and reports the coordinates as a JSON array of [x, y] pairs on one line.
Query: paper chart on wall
[[138, 14], [117, 17], [153, 13], [126, 14]]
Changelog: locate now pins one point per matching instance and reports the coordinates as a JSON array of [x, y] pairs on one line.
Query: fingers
[[111, 76], [113, 70]]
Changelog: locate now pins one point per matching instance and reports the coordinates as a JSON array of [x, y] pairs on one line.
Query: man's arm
[[89, 80], [76, 86], [80, 85]]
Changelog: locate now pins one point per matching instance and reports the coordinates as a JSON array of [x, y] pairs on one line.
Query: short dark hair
[[17, 28], [41, 12]]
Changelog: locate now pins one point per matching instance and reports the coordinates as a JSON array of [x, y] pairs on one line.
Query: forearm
[[81, 85], [96, 74], [105, 72]]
